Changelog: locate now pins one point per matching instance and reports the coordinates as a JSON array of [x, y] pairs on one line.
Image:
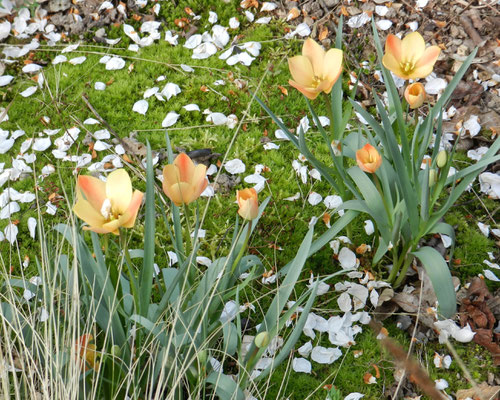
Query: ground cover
[[222, 89]]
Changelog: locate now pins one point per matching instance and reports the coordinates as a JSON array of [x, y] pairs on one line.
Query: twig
[[471, 31]]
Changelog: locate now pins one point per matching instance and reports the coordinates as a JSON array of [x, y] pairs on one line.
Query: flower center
[[107, 210], [408, 66], [316, 81]]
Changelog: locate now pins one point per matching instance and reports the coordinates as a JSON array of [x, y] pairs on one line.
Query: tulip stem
[[379, 188], [189, 246], [128, 261], [243, 248], [329, 111]]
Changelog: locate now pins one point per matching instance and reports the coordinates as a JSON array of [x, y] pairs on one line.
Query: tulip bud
[[248, 203], [368, 158], [116, 351], [441, 159], [415, 95], [262, 340], [432, 177]]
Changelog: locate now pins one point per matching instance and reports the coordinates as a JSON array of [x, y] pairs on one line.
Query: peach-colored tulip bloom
[[86, 352], [107, 206], [368, 158], [415, 94], [248, 202], [408, 58], [315, 71], [183, 182]]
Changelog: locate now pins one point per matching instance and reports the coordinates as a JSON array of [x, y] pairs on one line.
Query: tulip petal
[[421, 72], [301, 70], [180, 193], [429, 57], [133, 209], [393, 47], [119, 190], [332, 65], [84, 210], [199, 182], [390, 62], [93, 189], [186, 167], [171, 174], [315, 53], [311, 94], [113, 226], [412, 47]]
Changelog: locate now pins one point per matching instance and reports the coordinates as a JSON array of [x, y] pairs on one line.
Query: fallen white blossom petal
[[170, 119], [141, 107], [235, 166], [323, 355]]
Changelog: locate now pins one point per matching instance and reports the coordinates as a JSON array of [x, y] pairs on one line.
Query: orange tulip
[[248, 202], [107, 206], [183, 182], [368, 158], [86, 353], [408, 58], [315, 71], [415, 95]]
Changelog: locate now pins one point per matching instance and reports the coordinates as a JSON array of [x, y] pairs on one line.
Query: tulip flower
[[249, 205], [86, 352], [415, 95], [408, 58], [368, 158], [107, 206], [183, 182], [315, 71]]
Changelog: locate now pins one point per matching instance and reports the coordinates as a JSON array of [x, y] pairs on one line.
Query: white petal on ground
[[187, 68], [472, 125], [421, 3], [99, 86], [381, 10], [441, 384], [191, 107], [115, 63], [271, 146], [229, 312], [314, 198], [302, 30], [301, 365], [268, 6], [384, 24], [488, 274], [204, 50], [344, 302], [212, 17], [29, 91], [217, 118], [150, 92], [435, 86], [333, 201], [77, 60], [170, 90], [354, 396], [234, 23], [263, 20], [10, 232], [323, 355], [347, 259], [170, 119], [5, 27], [41, 144], [5, 80], [59, 59], [446, 240], [141, 107], [193, 41], [485, 229], [477, 154], [369, 228], [358, 20], [32, 226], [9, 209], [235, 166], [6, 145], [413, 25], [170, 38], [44, 315], [31, 68], [489, 184], [102, 134], [447, 328], [305, 349]]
